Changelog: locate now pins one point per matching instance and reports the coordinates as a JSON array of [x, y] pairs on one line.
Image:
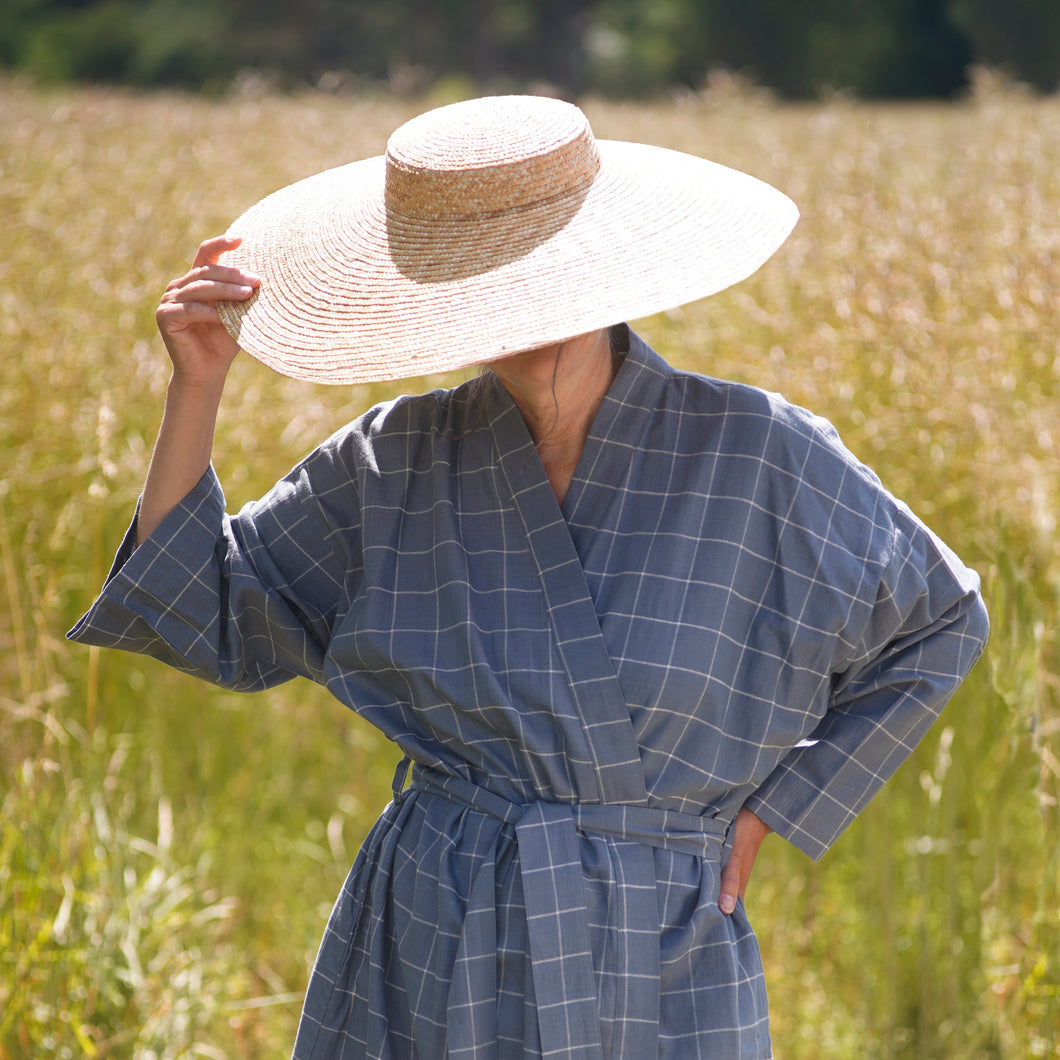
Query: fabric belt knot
[[546, 834]]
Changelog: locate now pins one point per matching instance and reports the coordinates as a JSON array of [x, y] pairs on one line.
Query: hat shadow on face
[[438, 251]]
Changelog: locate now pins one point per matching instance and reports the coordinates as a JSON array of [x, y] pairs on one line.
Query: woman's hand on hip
[[198, 343], [748, 832]]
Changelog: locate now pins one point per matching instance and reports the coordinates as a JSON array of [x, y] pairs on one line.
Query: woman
[[622, 620]]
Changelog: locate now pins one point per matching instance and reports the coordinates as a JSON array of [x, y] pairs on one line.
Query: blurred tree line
[[798, 48]]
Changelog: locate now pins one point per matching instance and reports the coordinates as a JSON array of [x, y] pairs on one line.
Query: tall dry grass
[[168, 851]]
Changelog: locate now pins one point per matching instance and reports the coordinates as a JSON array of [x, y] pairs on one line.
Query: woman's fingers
[[178, 315], [204, 286], [210, 250], [199, 346], [209, 281], [748, 832], [191, 299]]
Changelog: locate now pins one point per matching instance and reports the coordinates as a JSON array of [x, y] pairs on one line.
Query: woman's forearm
[[182, 452]]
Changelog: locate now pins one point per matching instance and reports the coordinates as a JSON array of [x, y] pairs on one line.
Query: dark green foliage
[[877, 48], [625, 48], [1021, 35]]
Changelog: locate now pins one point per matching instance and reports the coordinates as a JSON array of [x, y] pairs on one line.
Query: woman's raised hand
[[198, 343], [202, 352]]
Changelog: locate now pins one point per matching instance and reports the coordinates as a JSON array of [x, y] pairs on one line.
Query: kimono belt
[[556, 911]]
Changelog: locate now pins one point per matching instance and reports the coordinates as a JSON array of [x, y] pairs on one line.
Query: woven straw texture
[[489, 227]]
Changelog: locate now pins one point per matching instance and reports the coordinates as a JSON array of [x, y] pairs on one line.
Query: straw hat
[[489, 227]]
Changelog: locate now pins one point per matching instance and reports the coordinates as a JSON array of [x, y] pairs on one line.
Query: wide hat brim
[[352, 292]]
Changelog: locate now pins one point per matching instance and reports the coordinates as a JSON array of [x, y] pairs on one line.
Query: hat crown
[[488, 156]]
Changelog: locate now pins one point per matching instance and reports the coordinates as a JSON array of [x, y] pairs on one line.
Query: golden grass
[[917, 306]]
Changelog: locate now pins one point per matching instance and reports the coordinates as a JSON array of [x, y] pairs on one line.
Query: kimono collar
[[623, 415]]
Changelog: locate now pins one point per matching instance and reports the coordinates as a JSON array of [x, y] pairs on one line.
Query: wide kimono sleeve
[[927, 628], [244, 601]]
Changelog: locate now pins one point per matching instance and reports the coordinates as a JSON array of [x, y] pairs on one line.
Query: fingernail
[[726, 903]]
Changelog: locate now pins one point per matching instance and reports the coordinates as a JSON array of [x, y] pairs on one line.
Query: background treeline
[[631, 48]]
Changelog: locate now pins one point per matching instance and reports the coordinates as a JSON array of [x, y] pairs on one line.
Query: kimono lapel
[[618, 427], [548, 839], [615, 773]]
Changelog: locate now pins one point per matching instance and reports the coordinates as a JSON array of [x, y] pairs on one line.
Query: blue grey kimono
[[727, 610]]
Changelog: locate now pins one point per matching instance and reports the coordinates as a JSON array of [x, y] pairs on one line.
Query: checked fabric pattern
[[728, 609]]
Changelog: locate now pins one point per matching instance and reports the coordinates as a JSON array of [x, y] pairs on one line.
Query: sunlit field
[[168, 852]]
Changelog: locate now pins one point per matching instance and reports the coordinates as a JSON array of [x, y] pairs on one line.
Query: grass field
[[168, 852]]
